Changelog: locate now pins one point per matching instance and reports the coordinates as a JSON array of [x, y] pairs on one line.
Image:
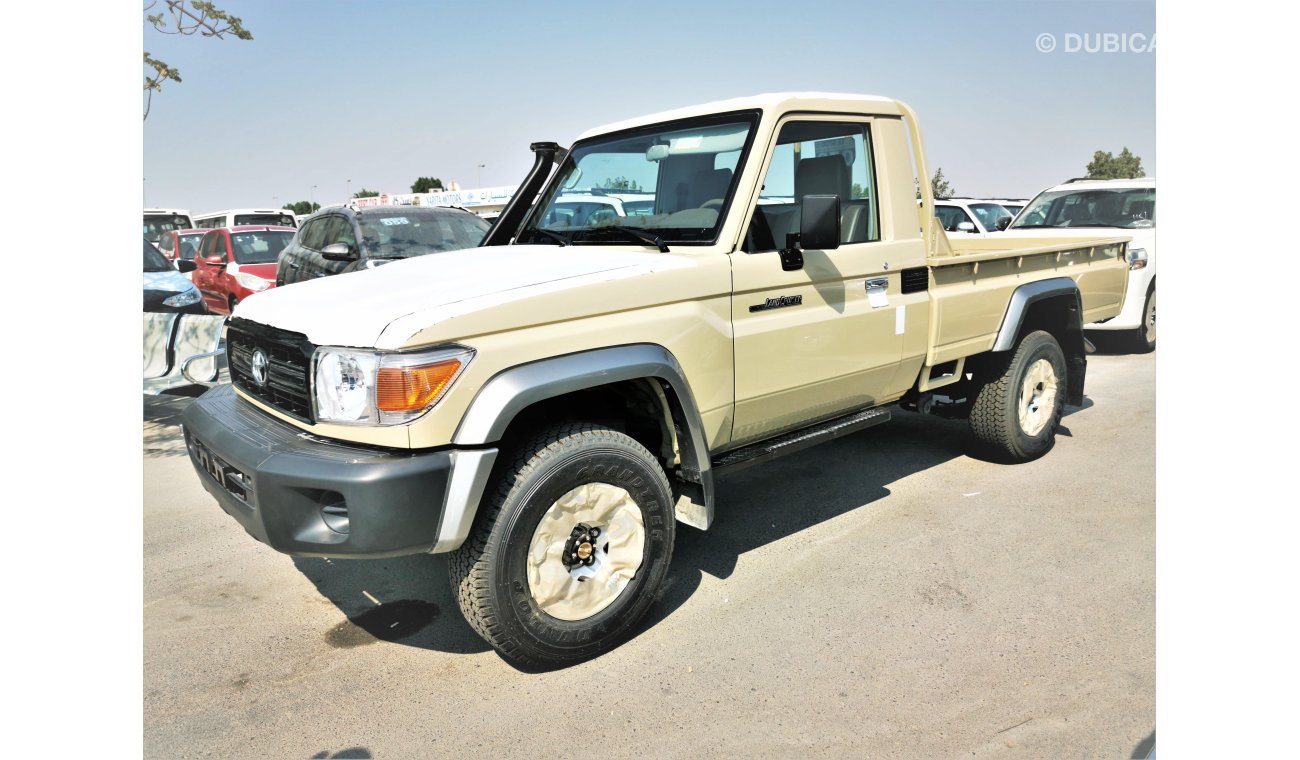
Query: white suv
[[966, 217], [1127, 206]]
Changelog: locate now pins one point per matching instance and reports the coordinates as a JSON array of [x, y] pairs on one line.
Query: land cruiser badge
[[777, 303]]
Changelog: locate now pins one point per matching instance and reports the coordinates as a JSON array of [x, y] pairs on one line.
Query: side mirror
[[183, 265], [965, 226], [340, 252], [1003, 223], [819, 223]]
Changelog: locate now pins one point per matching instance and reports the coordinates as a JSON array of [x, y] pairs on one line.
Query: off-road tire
[[995, 415], [1144, 338], [488, 572]]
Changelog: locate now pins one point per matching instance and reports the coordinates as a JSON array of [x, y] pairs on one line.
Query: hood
[[169, 280], [384, 307]]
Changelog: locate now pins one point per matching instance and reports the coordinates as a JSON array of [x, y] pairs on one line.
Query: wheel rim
[[1037, 397], [578, 592], [1149, 321]]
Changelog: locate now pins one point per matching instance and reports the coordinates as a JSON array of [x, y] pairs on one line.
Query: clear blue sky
[[383, 92]]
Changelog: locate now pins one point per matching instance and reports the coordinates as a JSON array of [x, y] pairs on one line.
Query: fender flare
[[508, 393], [1024, 297]]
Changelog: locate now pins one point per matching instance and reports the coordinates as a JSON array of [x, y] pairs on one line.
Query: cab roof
[[771, 102]]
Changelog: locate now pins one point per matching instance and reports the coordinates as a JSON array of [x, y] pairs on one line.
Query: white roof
[[1085, 184], [775, 101]]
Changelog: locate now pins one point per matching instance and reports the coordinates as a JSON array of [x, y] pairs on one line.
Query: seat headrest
[[709, 184], [828, 175]]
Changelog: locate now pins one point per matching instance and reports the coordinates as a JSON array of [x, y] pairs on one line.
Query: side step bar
[[757, 453]]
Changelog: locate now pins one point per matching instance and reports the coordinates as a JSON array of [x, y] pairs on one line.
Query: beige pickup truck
[[547, 407]]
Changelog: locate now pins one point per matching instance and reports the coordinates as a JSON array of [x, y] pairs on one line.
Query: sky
[[332, 97]]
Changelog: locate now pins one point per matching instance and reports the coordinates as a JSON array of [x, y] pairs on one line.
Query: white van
[[241, 216], [160, 220]]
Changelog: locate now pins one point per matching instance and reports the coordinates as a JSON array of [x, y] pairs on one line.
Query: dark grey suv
[[342, 239]]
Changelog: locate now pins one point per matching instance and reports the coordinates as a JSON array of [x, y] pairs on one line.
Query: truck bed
[[973, 281]]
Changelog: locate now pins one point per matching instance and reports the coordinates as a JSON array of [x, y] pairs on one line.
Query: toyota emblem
[[258, 368]]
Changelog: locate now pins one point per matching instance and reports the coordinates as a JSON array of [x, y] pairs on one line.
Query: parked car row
[[235, 259], [224, 265]]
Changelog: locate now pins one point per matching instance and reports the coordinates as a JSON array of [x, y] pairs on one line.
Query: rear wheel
[[1016, 414], [571, 549]]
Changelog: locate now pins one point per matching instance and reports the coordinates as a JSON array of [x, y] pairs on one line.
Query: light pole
[[480, 174], [312, 198], [349, 189]]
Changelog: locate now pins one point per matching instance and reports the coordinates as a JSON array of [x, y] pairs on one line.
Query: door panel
[[813, 343]]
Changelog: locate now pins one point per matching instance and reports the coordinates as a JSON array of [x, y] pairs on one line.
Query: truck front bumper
[[309, 496]]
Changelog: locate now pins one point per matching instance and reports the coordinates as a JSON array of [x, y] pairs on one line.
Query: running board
[[757, 453]]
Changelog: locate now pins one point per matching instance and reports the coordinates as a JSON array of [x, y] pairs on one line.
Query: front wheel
[[1144, 338], [571, 549], [1016, 413]]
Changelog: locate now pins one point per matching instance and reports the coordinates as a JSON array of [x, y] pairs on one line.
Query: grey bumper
[[307, 496]]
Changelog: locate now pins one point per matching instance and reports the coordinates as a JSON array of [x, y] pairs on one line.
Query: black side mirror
[[819, 223], [1003, 222], [183, 265], [340, 252]]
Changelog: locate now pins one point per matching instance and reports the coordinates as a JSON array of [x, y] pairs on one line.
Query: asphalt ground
[[882, 595]]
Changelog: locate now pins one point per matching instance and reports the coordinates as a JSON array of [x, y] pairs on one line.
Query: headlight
[[184, 298], [1137, 258], [355, 387], [252, 281]]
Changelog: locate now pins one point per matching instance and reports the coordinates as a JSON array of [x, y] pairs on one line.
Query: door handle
[[878, 283]]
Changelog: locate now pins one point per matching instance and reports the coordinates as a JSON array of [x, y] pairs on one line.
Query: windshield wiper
[[639, 234], [557, 237]]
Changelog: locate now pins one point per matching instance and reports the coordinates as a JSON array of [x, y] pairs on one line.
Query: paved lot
[[883, 595]]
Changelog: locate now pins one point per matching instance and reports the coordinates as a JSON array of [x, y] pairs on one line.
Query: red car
[[236, 262], [180, 245]]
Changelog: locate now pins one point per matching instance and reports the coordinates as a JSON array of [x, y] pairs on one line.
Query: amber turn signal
[[410, 389]]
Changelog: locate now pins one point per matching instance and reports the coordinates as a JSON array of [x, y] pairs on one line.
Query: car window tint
[[340, 231], [402, 234], [950, 217], [219, 246], [313, 233]]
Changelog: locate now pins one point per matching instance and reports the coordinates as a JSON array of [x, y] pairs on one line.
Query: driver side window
[[817, 158], [219, 247]]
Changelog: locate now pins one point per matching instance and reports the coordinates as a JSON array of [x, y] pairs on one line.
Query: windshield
[[681, 176], [989, 214], [284, 220], [404, 232], [155, 225], [1129, 209], [153, 260], [259, 247], [189, 246]]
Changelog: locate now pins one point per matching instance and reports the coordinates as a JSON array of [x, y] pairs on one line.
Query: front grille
[[288, 354]]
